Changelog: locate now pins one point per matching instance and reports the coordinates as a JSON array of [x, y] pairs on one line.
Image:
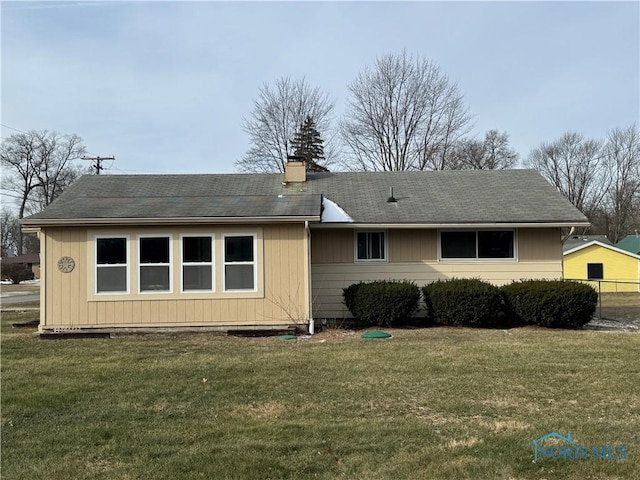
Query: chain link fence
[[618, 302]]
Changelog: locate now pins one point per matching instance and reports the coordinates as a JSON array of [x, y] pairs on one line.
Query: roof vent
[[391, 198]]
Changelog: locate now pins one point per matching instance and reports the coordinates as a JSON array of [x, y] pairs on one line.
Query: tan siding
[[539, 245], [413, 246], [282, 280], [332, 246]]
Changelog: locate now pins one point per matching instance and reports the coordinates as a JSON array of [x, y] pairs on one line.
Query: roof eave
[[453, 225], [91, 222]]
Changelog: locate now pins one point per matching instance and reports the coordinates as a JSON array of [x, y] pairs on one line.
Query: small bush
[[551, 303], [464, 302], [16, 272], [382, 302]]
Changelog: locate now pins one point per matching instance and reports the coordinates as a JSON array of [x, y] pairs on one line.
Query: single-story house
[[30, 261], [262, 251], [630, 243], [614, 269], [573, 241]]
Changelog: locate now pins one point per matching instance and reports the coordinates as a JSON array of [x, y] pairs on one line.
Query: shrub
[[551, 303], [382, 302], [16, 272], [464, 302]]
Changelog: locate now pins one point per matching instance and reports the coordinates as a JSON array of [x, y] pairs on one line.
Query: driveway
[[11, 298]]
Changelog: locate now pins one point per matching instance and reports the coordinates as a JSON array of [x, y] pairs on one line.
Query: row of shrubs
[[474, 303]]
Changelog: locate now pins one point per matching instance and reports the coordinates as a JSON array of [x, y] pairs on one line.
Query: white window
[[481, 244], [154, 256], [197, 263], [371, 246], [239, 271], [112, 265]]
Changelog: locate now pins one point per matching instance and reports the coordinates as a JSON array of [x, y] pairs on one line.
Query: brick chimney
[[295, 172]]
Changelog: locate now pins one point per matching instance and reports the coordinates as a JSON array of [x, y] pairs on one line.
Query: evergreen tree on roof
[[307, 144]]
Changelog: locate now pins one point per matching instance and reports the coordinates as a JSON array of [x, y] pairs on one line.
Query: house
[[574, 241], [30, 261], [262, 251], [630, 243], [616, 270]]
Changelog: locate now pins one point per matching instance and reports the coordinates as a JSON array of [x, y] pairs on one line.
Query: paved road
[[11, 298]]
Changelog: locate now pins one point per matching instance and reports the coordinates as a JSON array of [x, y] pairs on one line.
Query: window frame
[[385, 250], [477, 258], [127, 265], [212, 263], [595, 264], [169, 264], [224, 263]]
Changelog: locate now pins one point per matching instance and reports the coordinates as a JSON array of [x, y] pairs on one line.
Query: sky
[[165, 86]]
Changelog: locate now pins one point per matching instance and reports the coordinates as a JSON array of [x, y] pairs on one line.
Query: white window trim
[[170, 264], [371, 260], [476, 259], [254, 263], [212, 263], [96, 265]]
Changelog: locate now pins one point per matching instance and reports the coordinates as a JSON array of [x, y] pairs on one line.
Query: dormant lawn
[[429, 403]]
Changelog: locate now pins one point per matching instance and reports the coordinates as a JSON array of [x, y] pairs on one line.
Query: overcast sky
[[164, 86]]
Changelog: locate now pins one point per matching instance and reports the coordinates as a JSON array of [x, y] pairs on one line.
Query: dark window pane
[[495, 244], [197, 277], [238, 277], [376, 251], [458, 244], [238, 249], [196, 249], [595, 271], [154, 279], [111, 279], [111, 251], [154, 250], [362, 246]]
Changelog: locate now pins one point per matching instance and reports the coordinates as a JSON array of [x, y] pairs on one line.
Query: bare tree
[[403, 114], [494, 153], [576, 166], [8, 231], [39, 167], [622, 150], [277, 115]]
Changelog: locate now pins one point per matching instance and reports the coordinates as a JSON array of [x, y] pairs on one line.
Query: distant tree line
[[404, 113]]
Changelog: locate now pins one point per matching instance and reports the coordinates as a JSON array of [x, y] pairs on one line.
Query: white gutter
[[449, 225]]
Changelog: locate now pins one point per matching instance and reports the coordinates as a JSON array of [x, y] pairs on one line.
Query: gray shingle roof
[[442, 197], [578, 240]]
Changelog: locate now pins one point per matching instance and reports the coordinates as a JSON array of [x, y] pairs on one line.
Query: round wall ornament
[[66, 264]]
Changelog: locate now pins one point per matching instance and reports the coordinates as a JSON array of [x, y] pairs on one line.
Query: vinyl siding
[[413, 256], [617, 267], [280, 299]]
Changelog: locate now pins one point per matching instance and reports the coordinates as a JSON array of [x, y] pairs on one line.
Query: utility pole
[[97, 162]]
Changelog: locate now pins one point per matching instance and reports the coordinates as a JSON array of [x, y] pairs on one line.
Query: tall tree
[[492, 153], [277, 113], [576, 166], [622, 150], [39, 166], [307, 144], [403, 114], [8, 231]]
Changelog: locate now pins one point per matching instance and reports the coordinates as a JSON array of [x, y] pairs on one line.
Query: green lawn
[[430, 403]]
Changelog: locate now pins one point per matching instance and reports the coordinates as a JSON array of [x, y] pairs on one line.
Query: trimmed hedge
[[16, 272], [464, 302], [551, 303], [382, 302]]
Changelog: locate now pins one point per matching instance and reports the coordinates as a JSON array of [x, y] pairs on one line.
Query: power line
[[97, 162]]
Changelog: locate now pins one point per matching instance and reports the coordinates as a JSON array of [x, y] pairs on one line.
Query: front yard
[[427, 403]]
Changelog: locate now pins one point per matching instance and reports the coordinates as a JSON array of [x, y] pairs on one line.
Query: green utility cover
[[287, 337], [376, 334]]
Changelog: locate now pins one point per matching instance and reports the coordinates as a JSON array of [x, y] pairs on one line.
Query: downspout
[[309, 291]]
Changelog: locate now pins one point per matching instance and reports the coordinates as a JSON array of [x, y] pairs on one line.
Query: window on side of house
[[239, 263], [112, 265], [197, 263], [481, 244], [595, 271], [154, 253], [371, 246]]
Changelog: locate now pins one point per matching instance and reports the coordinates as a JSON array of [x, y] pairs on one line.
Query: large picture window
[[481, 244], [239, 263], [112, 265], [155, 263], [371, 246], [197, 263]]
